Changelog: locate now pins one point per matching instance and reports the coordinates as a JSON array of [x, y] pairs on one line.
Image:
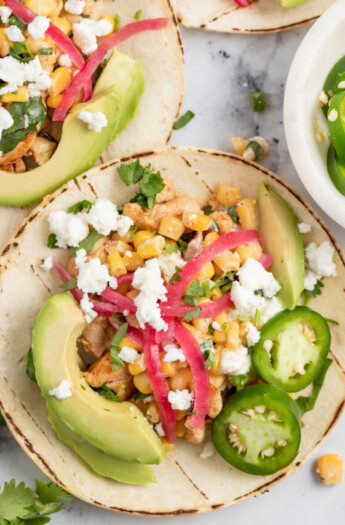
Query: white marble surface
[[221, 70]]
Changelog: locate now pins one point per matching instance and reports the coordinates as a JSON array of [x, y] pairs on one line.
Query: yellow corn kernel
[[168, 446], [330, 468], [216, 364], [63, 24], [207, 272], [151, 247], [171, 227], [35, 44], [126, 238], [252, 250], [118, 246], [129, 342], [239, 145], [59, 6], [115, 264], [199, 223], [112, 23], [233, 340], [41, 7], [53, 102], [5, 43], [217, 381], [132, 262], [209, 238], [179, 414], [228, 195], [221, 318], [246, 211], [168, 369], [219, 336], [215, 293], [22, 95], [61, 77], [142, 383], [227, 261], [141, 235], [180, 428], [138, 367], [201, 325]]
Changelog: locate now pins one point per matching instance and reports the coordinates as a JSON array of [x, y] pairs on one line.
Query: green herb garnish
[[207, 209], [140, 396], [30, 366], [115, 347], [310, 294], [240, 381], [2, 422], [137, 15], [183, 120], [196, 290], [70, 285], [117, 20], [232, 212], [215, 227], [88, 243], [51, 241], [257, 317], [150, 183], [15, 21], [46, 51], [170, 248], [107, 393], [258, 100], [192, 314], [80, 206], [21, 52], [210, 329]]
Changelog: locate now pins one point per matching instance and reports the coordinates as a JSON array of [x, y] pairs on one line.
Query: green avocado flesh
[[101, 463], [291, 3], [118, 429], [282, 240], [117, 96]]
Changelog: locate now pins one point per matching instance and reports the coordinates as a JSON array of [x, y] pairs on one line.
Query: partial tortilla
[[161, 57], [186, 484], [262, 16]]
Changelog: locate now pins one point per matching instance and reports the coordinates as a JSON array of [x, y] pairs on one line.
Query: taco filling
[[187, 326], [60, 78]]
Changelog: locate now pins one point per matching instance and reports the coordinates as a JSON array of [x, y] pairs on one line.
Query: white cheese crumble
[[94, 277], [65, 61], [304, 227], [151, 285], [6, 120], [128, 354], [159, 429], [319, 262], [103, 216], [38, 27], [5, 13], [14, 34], [86, 31], [128, 254], [180, 399], [95, 120], [252, 334], [333, 115], [69, 229], [63, 391], [235, 362], [216, 326], [75, 7], [208, 451], [123, 225], [47, 263], [253, 276], [168, 263], [87, 309], [16, 73], [173, 353]]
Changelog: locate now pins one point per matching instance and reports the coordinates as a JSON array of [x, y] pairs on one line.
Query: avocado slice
[[282, 240], [291, 3], [118, 429], [101, 463], [117, 97]]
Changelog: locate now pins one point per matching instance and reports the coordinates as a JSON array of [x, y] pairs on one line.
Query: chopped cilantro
[[46, 51], [15, 21], [192, 314], [206, 345], [51, 242], [80, 206], [170, 248], [70, 285], [258, 100], [140, 396], [307, 403], [150, 183], [196, 290], [210, 329], [309, 294], [88, 243], [210, 359], [116, 317], [137, 15], [215, 227], [183, 120], [182, 244], [115, 346], [30, 366], [21, 52], [232, 212], [191, 411], [242, 318], [176, 276], [332, 321], [107, 393], [117, 20], [257, 318], [240, 381], [224, 326], [207, 209]]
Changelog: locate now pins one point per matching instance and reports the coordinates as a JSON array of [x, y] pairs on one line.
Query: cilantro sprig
[[52, 241], [196, 290], [19, 505], [192, 314], [115, 349], [150, 183], [69, 285], [80, 206], [208, 350], [310, 294], [107, 393], [88, 243]]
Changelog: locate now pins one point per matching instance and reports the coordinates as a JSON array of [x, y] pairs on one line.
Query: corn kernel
[[215, 367], [209, 238], [168, 446], [118, 246], [128, 342], [180, 428], [197, 222], [151, 247], [179, 414], [41, 7], [61, 78], [53, 102], [115, 264], [330, 468], [132, 262], [252, 250], [168, 369], [228, 195], [138, 367], [171, 227], [140, 236], [246, 211], [221, 318], [239, 145], [126, 238], [59, 6], [217, 381], [233, 340], [35, 44], [22, 95], [63, 24], [215, 293], [5, 43], [112, 23], [142, 383], [219, 336], [201, 324], [206, 273], [227, 261]]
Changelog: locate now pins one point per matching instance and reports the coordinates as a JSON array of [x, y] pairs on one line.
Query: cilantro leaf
[[307, 403], [309, 294], [208, 350], [184, 120], [115, 347], [196, 290], [51, 493], [215, 227], [211, 330], [150, 183], [241, 380], [106, 392], [176, 276], [170, 248], [131, 173], [88, 243], [116, 318], [15, 21], [232, 212], [80, 206], [192, 314], [30, 367], [51, 242], [15, 501], [137, 15], [207, 209], [70, 285], [139, 396], [182, 244], [21, 52]]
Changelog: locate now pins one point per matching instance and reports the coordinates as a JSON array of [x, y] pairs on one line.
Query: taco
[[124, 409], [243, 16], [124, 87]]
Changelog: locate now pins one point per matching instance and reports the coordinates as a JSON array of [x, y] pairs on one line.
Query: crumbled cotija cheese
[[65, 61], [86, 31], [253, 276], [87, 309], [319, 262], [103, 216], [5, 13], [16, 73], [69, 229], [94, 277], [38, 27], [208, 451], [173, 353], [47, 263], [159, 429], [252, 334], [63, 391], [235, 362], [124, 223], [304, 227], [6, 120], [75, 7], [180, 399], [95, 120], [128, 354], [14, 34]]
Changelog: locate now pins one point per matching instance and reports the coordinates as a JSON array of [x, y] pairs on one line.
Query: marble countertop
[[221, 70]]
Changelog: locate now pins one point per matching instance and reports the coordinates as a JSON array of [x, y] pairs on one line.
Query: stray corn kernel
[[330, 468], [22, 95], [63, 24]]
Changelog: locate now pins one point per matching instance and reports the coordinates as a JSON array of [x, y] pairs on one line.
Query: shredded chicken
[[19, 151], [97, 336], [223, 220], [215, 403], [194, 246], [167, 194], [194, 435], [94, 10]]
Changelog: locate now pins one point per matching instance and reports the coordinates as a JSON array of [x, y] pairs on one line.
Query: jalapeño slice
[[336, 169], [259, 431], [292, 349], [334, 78]]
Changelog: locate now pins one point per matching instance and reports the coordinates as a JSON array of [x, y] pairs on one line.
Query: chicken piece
[[71, 267], [151, 220], [94, 10], [194, 435], [132, 321], [215, 403], [99, 250], [195, 246], [119, 381], [19, 166], [97, 336], [223, 220], [19, 151], [42, 149], [167, 193]]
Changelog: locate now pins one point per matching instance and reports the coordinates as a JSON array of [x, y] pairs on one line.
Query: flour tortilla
[[186, 484], [263, 16], [161, 57]]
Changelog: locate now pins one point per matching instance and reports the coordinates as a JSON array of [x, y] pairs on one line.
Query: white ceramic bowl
[[322, 47]]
